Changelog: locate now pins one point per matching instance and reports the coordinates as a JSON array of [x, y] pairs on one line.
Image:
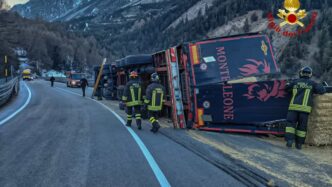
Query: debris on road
[[263, 154]]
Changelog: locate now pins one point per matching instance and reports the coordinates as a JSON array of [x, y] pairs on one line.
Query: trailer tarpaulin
[[243, 103], [224, 59], [134, 60]]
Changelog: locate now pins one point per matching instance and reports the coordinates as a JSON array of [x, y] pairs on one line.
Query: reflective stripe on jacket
[[302, 94], [155, 95], [132, 94]]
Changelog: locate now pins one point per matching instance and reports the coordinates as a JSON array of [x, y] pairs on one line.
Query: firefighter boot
[[129, 119], [139, 124], [289, 143], [138, 121], [298, 146], [155, 127]]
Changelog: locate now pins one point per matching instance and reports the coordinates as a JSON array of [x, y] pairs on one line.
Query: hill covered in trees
[[49, 44], [189, 20], [146, 26]]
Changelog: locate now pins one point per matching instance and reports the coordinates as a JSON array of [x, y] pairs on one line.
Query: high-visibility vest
[[133, 93], [155, 95], [302, 94]]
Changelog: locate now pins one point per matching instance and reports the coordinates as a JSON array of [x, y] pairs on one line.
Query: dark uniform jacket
[[155, 96], [84, 82], [132, 94], [302, 94]]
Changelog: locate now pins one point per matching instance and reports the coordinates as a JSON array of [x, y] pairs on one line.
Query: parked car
[[74, 79]]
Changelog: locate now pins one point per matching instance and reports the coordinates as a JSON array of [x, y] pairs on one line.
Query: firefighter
[[132, 96], [155, 95], [300, 106], [52, 79]]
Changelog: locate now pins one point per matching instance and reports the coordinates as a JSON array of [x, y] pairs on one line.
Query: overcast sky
[[14, 2]]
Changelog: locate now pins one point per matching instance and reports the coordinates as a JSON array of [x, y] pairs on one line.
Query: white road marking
[[20, 109], [148, 156]]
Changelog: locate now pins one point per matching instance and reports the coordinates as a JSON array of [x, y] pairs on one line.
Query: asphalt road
[[15, 103], [62, 139]]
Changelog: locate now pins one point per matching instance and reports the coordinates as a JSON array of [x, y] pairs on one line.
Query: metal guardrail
[[8, 89], [3, 80]]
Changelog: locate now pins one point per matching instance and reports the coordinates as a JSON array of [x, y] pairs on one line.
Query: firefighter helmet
[[154, 77], [133, 74], [306, 72]]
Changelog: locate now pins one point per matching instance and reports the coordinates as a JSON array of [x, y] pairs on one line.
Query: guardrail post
[[6, 68]]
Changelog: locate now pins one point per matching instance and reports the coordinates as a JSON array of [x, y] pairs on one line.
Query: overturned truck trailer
[[115, 75], [139, 63], [202, 78]]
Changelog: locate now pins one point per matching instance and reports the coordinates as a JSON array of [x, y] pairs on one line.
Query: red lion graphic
[[264, 92], [255, 68]]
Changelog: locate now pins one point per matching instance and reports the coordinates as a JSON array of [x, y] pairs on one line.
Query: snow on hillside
[[4, 5], [151, 1], [193, 12], [236, 26], [75, 13]]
